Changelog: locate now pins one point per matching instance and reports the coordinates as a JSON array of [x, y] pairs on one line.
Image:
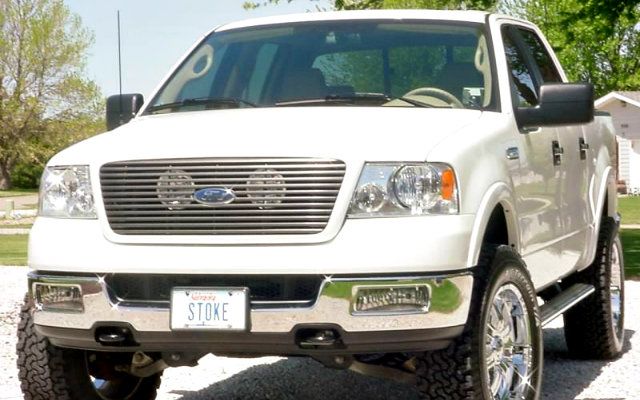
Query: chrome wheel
[[615, 287], [499, 354], [508, 344]]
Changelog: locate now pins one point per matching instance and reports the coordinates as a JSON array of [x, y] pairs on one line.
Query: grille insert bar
[[263, 288], [272, 196]]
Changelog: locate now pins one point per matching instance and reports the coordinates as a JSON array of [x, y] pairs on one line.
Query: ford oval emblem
[[214, 196]]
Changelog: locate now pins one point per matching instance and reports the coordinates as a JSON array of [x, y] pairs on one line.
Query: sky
[[155, 34]]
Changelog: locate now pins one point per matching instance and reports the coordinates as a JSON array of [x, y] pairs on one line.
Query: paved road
[[289, 379]]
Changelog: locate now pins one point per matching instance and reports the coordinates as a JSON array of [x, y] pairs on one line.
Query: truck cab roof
[[463, 16]]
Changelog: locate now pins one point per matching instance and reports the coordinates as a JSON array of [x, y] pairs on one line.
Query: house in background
[[624, 107]]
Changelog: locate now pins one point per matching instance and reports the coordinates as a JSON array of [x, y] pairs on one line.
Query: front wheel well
[[496, 231]]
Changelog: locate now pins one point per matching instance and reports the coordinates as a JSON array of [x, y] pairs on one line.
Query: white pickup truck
[[411, 194]]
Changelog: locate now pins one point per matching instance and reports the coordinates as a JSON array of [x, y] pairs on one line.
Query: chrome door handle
[[557, 152], [583, 146]]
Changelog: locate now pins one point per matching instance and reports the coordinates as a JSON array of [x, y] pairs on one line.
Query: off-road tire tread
[[43, 372], [587, 328], [453, 373], [40, 365]]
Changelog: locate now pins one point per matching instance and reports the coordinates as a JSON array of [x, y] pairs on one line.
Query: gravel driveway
[[278, 378]]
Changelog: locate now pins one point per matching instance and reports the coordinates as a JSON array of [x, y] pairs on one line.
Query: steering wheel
[[438, 94]]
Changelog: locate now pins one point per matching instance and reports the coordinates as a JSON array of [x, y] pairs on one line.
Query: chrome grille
[[272, 196]]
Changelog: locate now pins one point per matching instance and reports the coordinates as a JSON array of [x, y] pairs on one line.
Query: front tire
[[500, 353], [47, 372], [594, 328]]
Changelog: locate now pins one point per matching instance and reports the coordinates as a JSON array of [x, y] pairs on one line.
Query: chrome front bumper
[[449, 306]]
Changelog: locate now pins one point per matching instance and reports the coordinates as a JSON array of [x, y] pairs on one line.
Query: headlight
[[65, 192], [387, 189]]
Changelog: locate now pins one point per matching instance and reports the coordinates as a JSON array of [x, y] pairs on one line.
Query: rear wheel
[[499, 355], [594, 328], [47, 372]]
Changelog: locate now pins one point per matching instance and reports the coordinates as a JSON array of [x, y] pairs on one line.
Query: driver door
[[539, 187]]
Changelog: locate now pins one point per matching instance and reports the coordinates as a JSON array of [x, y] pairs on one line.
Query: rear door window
[[416, 67], [353, 71]]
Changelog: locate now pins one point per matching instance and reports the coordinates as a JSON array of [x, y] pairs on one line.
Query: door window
[[523, 89], [548, 71]]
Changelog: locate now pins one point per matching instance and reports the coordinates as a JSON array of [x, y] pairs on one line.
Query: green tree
[[596, 40], [45, 101], [441, 4], [377, 4]]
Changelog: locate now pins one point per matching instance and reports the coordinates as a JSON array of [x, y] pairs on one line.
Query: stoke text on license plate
[[209, 308]]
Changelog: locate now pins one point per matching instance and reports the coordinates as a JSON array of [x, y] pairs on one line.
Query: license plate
[[224, 309]]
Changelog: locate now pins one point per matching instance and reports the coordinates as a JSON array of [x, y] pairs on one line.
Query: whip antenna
[[119, 66]]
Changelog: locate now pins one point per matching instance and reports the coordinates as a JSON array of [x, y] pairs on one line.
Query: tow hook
[[318, 338]]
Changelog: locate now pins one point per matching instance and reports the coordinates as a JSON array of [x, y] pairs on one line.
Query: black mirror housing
[[121, 108], [560, 104]]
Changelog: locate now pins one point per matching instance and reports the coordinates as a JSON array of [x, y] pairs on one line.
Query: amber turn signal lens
[[448, 184]]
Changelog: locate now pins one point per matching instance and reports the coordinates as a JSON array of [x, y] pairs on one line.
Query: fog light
[[65, 298], [409, 299]]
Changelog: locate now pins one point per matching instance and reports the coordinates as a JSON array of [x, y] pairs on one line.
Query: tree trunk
[[5, 177]]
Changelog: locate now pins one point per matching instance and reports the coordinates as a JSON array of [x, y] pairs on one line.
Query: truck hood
[[351, 134]]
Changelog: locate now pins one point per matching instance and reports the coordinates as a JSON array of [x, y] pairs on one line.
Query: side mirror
[[560, 104], [121, 108]]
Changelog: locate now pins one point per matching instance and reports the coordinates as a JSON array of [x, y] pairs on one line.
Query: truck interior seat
[[303, 84], [456, 76]]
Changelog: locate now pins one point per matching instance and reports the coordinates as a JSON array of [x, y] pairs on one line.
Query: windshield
[[365, 63]]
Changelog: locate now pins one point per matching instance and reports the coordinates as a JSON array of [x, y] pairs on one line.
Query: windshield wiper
[[353, 98], [359, 96], [376, 96], [205, 101], [337, 98]]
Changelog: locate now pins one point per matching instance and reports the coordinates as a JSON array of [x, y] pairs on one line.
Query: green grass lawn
[[629, 208], [17, 192], [13, 249], [631, 245]]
